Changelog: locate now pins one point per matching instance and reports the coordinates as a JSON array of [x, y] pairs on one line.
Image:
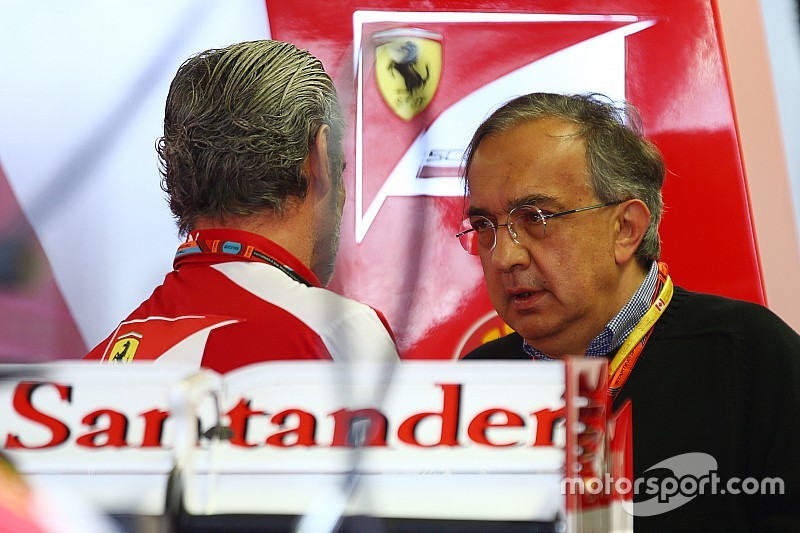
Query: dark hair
[[238, 125], [622, 163]]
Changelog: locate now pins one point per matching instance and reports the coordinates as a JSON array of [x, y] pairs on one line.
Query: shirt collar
[[231, 245], [618, 329]]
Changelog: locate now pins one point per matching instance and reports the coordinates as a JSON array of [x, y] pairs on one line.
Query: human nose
[[508, 253]]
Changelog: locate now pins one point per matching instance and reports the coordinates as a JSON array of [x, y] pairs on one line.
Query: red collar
[[220, 245]]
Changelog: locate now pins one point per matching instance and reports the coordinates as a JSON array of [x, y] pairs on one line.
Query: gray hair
[[622, 163], [238, 125]]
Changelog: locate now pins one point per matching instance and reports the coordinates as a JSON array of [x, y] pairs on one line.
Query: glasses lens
[[469, 240], [526, 221], [480, 238]]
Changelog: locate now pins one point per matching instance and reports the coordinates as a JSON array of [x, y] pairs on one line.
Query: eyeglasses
[[525, 222]]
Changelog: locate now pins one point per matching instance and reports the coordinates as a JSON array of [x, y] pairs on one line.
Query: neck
[[633, 275], [290, 231]]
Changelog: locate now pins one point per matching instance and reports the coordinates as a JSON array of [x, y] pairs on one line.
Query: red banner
[[405, 198]]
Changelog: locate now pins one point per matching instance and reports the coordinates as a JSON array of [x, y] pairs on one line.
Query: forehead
[[542, 158]]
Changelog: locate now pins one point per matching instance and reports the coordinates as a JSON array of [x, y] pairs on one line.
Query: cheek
[[580, 274], [493, 279], [563, 270]]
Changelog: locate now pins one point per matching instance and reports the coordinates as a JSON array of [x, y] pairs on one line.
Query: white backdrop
[[81, 106]]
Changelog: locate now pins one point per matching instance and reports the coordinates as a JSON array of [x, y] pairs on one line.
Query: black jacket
[[721, 377]]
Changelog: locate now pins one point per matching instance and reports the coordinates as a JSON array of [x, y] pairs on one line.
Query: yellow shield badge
[[124, 350], [408, 67]]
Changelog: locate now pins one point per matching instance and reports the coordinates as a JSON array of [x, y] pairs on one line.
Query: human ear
[[317, 166], [632, 221]]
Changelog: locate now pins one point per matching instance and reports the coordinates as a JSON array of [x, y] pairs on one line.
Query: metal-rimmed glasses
[[479, 234]]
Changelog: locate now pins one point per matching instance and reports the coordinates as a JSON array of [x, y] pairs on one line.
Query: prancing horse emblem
[[408, 66], [124, 349]]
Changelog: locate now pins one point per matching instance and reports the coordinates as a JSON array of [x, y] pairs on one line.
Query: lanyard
[[623, 361], [230, 248]]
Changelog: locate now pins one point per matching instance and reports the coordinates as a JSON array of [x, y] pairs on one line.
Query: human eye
[[529, 215], [480, 224]]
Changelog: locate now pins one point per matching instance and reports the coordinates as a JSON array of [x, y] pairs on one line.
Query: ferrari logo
[[124, 350], [408, 66]]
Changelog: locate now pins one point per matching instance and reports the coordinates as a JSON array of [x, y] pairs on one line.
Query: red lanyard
[[229, 248]]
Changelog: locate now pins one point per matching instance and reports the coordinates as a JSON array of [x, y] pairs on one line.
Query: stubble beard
[[330, 236]]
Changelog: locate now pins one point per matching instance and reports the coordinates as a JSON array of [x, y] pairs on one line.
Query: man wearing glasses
[[564, 208]]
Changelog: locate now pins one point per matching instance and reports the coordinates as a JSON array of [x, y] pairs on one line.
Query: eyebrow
[[531, 199]]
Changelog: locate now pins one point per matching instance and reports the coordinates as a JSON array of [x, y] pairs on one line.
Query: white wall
[[764, 84]]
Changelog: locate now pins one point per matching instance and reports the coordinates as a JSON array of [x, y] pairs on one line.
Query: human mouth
[[524, 298]]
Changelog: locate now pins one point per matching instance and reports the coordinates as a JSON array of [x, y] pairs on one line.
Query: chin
[[525, 326], [326, 275]]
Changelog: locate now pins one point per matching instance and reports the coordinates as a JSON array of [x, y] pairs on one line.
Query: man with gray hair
[[564, 207], [252, 163]]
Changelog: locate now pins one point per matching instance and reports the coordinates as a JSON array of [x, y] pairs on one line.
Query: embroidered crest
[[124, 349]]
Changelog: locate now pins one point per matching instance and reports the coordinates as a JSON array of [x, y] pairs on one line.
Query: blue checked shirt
[[616, 331]]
